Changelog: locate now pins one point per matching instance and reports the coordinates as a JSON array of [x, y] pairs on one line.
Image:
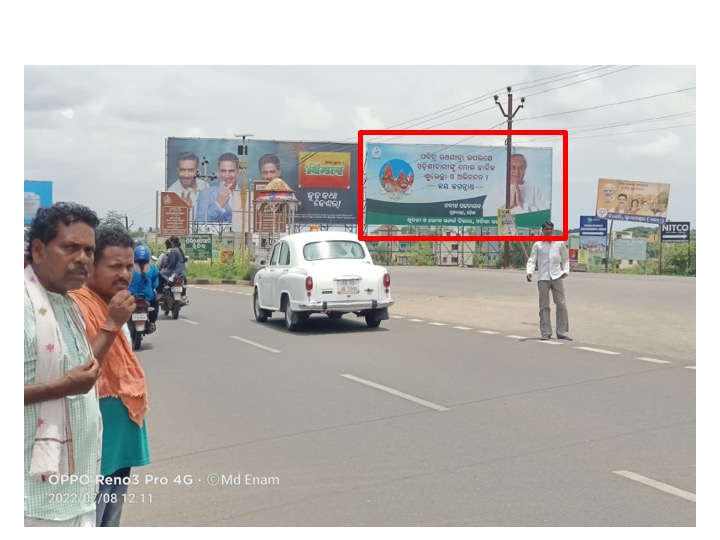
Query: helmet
[[142, 253]]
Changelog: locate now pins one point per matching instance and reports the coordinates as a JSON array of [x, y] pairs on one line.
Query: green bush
[[233, 269]]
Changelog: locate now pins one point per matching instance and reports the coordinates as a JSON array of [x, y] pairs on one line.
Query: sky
[[96, 92], [98, 132]]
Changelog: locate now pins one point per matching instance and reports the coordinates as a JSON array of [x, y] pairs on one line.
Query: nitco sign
[[675, 231]]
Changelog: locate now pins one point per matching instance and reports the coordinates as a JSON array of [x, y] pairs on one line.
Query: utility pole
[[242, 151], [508, 142]]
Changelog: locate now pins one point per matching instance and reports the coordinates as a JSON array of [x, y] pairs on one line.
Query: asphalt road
[[452, 413]]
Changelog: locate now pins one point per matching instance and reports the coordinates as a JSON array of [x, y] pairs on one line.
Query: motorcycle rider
[[174, 263], [145, 281]]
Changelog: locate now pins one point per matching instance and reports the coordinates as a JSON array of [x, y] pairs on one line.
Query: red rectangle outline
[[415, 238]]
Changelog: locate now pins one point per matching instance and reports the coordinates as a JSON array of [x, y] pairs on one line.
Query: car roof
[[320, 236]]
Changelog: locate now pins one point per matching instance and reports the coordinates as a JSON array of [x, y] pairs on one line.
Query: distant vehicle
[[321, 272]]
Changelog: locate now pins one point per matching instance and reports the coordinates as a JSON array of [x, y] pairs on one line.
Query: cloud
[[665, 145], [362, 118], [308, 114]]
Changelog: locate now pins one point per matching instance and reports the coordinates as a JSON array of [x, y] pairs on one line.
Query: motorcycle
[[139, 324], [173, 297]]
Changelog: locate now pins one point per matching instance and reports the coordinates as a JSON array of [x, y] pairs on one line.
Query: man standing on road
[[106, 305], [553, 263], [62, 418]]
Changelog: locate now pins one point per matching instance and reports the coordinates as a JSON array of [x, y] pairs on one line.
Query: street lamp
[[242, 150]]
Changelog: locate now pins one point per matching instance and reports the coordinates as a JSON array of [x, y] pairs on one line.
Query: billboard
[[458, 185], [593, 226], [174, 215], [626, 200], [38, 194], [675, 232], [630, 249], [322, 174]]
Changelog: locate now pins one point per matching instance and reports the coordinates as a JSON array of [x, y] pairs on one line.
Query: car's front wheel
[[261, 315]]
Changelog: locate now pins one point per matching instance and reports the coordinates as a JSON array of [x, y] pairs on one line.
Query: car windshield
[[333, 249]]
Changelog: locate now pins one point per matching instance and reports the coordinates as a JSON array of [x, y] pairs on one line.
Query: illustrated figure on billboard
[[645, 209], [269, 167], [187, 185], [524, 197], [215, 203], [634, 206], [621, 207]]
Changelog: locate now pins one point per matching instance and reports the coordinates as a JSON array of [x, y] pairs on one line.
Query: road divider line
[[601, 351], [548, 342], [517, 337], [488, 332], [672, 490], [188, 321], [653, 360], [462, 327], [689, 367], [396, 317], [438, 324], [397, 393], [255, 344], [415, 320]]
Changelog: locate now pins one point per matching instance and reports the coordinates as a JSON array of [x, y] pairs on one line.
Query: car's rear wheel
[[290, 317], [371, 321], [261, 315]]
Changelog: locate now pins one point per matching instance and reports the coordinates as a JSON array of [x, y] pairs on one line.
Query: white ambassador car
[[321, 272]]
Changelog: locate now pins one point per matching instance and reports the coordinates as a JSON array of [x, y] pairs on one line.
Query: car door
[[269, 275], [281, 268]]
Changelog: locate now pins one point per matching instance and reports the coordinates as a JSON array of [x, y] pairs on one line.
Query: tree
[[422, 254], [114, 219]]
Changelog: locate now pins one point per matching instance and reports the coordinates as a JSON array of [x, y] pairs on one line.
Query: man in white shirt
[[187, 185], [553, 264]]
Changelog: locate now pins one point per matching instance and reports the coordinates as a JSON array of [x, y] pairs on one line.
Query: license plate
[[348, 286], [139, 316], [176, 289]]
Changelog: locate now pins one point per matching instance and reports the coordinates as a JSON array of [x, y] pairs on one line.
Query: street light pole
[[242, 150]]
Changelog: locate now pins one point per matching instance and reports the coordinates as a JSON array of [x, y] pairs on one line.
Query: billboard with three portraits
[[206, 172]]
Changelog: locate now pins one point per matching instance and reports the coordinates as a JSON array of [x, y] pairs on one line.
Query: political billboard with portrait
[[323, 176], [627, 200], [458, 185]]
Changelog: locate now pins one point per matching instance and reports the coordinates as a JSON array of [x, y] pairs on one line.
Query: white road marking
[[602, 351], [549, 342], [653, 360], [689, 367], [658, 485], [462, 327], [438, 323], [396, 317], [415, 320], [487, 332], [394, 392], [255, 344], [188, 321], [517, 337]]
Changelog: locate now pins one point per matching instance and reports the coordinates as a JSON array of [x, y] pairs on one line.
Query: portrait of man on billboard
[[214, 204]]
